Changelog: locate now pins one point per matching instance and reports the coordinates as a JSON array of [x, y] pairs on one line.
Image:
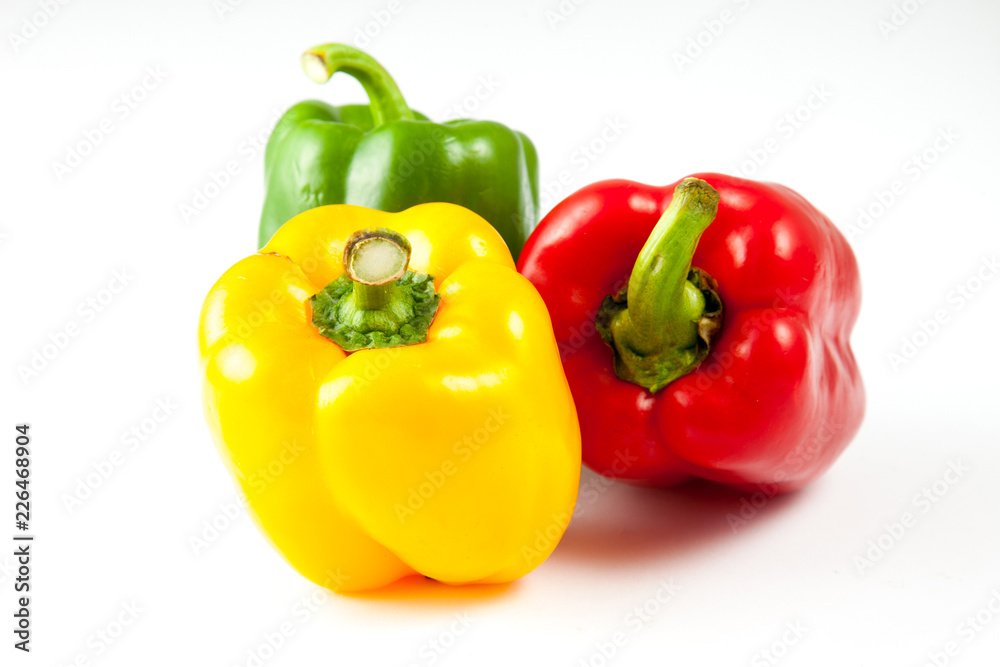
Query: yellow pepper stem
[[375, 259], [377, 302]]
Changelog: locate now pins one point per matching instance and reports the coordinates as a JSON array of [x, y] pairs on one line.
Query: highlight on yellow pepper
[[387, 393]]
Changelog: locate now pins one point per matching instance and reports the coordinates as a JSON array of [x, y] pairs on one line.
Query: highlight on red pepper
[[739, 370]]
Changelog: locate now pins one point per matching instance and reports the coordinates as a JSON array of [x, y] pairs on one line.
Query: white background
[[561, 82]]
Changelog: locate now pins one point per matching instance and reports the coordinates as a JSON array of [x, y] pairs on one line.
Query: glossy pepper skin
[[457, 458], [779, 395], [391, 158]]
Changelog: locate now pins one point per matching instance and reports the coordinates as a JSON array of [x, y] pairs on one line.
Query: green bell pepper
[[388, 157]]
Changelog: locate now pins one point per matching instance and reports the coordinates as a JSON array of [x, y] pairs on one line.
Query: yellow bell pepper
[[454, 453]]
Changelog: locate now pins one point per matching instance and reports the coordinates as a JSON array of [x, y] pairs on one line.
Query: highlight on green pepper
[[386, 156]]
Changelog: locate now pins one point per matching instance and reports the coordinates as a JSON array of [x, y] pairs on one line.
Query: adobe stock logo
[[87, 310], [638, 619], [380, 20], [122, 107], [131, 441], [712, 29], [899, 17], [923, 502], [33, 24], [912, 170], [957, 298], [464, 449]]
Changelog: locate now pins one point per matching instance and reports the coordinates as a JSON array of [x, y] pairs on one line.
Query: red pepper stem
[[663, 306], [387, 103], [661, 328]]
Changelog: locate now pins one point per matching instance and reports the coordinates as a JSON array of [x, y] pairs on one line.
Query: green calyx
[[661, 326], [377, 302]]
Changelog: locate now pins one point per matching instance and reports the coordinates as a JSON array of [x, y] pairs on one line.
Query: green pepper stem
[[387, 103], [661, 327]]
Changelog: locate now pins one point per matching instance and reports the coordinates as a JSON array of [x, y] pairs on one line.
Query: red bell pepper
[[739, 371]]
